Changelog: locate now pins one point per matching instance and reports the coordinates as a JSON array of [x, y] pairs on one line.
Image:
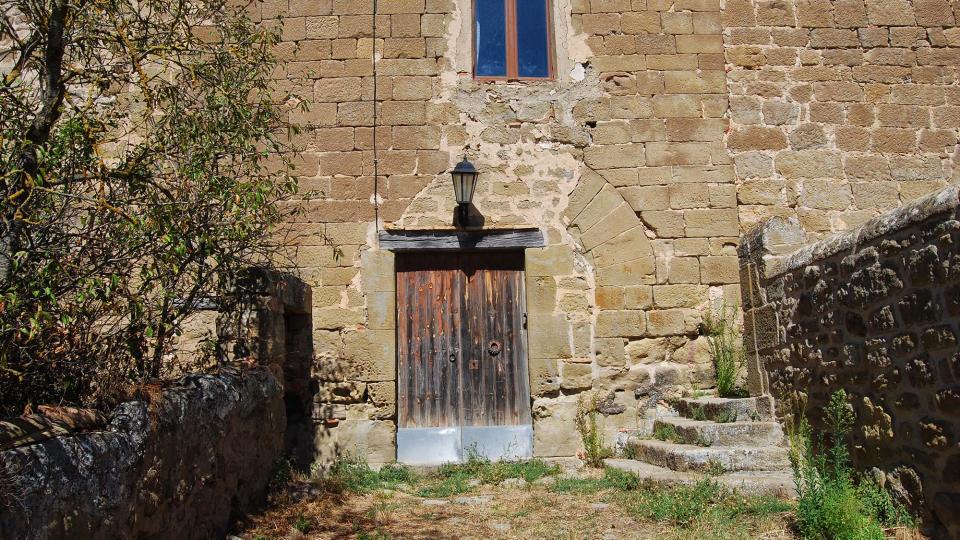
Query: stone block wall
[[875, 311], [841, 109], [670, 126], [179, 464], [620, 162]]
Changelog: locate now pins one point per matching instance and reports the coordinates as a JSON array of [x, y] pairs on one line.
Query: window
[[512, 39]]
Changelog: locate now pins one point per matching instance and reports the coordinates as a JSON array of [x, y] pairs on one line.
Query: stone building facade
[[670, 126]]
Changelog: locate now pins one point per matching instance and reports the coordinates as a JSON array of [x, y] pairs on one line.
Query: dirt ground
[[521, 512]]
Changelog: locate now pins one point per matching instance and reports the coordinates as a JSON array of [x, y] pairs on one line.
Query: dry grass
[[535, 511]]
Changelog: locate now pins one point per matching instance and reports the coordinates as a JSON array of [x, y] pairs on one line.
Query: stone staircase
[[737, 442]]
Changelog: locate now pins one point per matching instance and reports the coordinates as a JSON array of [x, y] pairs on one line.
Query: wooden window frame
[[513, 69]]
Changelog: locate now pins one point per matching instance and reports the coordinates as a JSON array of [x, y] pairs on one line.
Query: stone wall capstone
[[177, 465], [874, 311]]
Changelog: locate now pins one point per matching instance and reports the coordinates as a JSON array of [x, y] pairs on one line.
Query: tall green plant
[[834, 502], [595, 449], [725, 340]]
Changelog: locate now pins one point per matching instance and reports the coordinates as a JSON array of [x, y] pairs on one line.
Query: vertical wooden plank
[[519, 339], [403, 351], [417, 360], [507, 409], [473, 373]]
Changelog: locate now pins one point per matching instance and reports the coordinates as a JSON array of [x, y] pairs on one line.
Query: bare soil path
[[569, 505]]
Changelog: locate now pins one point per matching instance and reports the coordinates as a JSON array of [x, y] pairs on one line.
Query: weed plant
[[353, 474], [835, 503], [595, 449], [725, 339], [706, 504], [666, 433]]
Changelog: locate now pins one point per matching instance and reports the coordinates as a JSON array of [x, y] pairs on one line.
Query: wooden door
[[461, 340]]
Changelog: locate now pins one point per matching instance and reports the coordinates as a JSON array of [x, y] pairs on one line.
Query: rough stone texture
[[874, 311], [178, 465], [619, 161], [669, 125], [840, 110]]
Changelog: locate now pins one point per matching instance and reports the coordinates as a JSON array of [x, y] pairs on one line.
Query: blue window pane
[[533, 39], [491, 38]]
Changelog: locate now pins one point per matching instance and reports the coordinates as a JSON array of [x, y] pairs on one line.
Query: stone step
[[686, 457], [759, 408], [706, 433], [777, 483]]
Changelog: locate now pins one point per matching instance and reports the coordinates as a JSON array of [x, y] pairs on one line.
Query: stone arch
[[610, 233]]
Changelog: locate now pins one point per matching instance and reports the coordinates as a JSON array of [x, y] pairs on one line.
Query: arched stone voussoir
[[608, 228]]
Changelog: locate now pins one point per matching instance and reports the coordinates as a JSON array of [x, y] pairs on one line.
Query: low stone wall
[[177, 465], [874, 311]]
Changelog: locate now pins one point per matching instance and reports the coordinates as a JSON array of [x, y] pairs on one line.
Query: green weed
[[699, 414], [375, 535], [834, 502], [302, 524], [666, 433], [595, 449], [281, 475], [356, 476], [395, 473], [577, 485], [614, 479], [629, 451], [725, 339], [445, 486], [715, 468], [678, 505], [494, 472], [706, 504]]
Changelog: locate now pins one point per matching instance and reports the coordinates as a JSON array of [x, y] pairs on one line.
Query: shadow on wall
[[299, 389]]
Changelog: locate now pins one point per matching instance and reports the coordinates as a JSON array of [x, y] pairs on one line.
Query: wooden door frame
[[426, 446]]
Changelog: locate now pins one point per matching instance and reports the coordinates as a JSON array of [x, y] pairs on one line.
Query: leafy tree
[[142, 165]]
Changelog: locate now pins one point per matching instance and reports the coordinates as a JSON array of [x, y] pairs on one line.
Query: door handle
[[453, 358]]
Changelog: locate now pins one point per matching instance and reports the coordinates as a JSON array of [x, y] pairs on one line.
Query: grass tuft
[[354, 475]]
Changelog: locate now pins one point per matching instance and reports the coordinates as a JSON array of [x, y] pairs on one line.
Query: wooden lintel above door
[[460, 240]]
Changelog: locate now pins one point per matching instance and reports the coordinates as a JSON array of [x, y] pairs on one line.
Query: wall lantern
[[464, 184]]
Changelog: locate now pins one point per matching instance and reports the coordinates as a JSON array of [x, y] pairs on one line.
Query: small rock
[[499, 526], [513, 483], [545, 481], [599, 506], [473, 482], [474, 501], [434, 502]]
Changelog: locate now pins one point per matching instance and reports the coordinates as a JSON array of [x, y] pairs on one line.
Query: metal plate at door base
[[436, 446], [496, 443], [428, 446]]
